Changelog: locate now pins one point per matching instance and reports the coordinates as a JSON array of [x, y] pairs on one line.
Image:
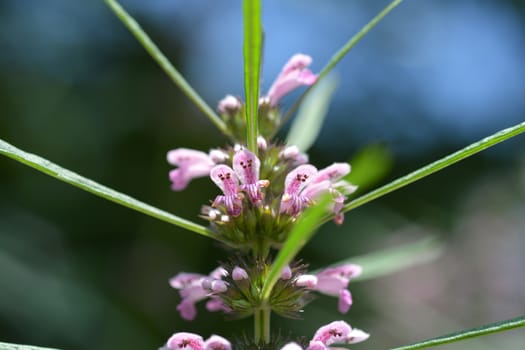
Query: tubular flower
[[294, 74], [194, 287], [225, 178], [216, 342], [293, 201], [247, 166], [337, 332], [191, 164], [304, 184], [334, 281], [185, 341]]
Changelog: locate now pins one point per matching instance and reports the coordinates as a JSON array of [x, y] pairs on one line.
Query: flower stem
[[262, 325]]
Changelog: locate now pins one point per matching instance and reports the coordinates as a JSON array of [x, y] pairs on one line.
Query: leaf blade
[[252, 50], [495, 327], [45, 166], [166, 65], [309, 120], [300, 234], [11, 346]]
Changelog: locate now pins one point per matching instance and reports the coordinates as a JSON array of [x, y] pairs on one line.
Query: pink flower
[[185, 341], [247, 166], [293, 75], [328, 180], [334, 281], [191, 341], [195, 287], [293, 201], [216, 342], [337, 332], [225, 178], [191, 164], [304, 184]]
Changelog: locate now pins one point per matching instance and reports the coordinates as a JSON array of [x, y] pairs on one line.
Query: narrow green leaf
[[309, 120], [9, 346], [301, 233], [388, 261], [338, 56], [166, 65], [253, 39], [469, 333], [369, 166], [438, 165], [56, 171]]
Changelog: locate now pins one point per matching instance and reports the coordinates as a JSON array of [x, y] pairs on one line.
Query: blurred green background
[[78, 272]]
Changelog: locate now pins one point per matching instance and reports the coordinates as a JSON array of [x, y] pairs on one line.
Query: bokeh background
[[78, 272]]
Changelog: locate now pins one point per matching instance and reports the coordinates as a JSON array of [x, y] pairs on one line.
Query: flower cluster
[[335, 333], [263, 193]]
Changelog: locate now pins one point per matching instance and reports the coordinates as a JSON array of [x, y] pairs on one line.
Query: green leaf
[[369, 166], [300, 234], [436, 166], [166, 65], [469, 333], [388, 261], [309, 120], [253, 40], [9, 346], [338, 56], [62, 174]]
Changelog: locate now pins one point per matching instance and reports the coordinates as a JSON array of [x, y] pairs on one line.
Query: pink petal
[[286, 273], [298, 178], [357, 336], [345, 301], [333, 172], [224, 177], [293, 75], [307, 281], [239, 274], [187, 310], [246, 166], [216, 342], [333, 333], [182, 156], [185, 341]]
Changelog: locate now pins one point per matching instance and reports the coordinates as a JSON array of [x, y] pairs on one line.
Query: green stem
[[338, 56], [165, 64], [65, 175], [471, 333], [431, 168], [262, 318]]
